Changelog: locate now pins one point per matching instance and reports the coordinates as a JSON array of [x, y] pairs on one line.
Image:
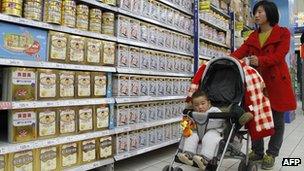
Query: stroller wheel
[[167, 168], [178, 169], [250, 167]]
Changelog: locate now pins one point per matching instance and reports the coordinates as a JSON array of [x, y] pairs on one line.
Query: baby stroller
[[223, 81]]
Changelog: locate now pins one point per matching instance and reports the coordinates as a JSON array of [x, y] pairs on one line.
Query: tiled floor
[[293, 146]]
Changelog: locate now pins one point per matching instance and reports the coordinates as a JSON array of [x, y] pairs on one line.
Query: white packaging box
[[134, 29], [134, 57], [123, 56], [144, 86], [133, 141], [122, 115], [154, 60], [122, 143], [143, 113], [160, 111], [152, 137], [162, 64], [168, 110], [152, 112], [153, 86], [160, 37], [167, 132], [145, 59], [146, 8], [135, 85], [169, 87], [170, 62], [160, 134], [136, 6], [153, 36], [163, 13], [168, 40], [161, 86], [134, 114], [121, 85], [125, 4], [123, 26], [143, 138], [177, 63], [144, 32], [176, 87], [170, 16]]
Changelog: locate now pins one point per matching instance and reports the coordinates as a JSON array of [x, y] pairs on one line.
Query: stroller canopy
[[223, 81]]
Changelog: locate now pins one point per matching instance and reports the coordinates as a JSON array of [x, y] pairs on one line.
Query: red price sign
[[5, 105]]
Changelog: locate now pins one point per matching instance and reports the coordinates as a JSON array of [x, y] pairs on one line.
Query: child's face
[[201, 104]]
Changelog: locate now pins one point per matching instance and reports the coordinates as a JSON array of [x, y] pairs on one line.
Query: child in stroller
[[190, 153]]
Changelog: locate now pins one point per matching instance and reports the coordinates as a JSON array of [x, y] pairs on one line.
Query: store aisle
[[293, 146]]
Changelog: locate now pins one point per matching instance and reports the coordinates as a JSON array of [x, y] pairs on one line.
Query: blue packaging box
[[21, 42]]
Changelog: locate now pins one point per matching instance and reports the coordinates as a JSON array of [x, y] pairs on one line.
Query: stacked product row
[[128, 114], [163, 13], [137, 85], [30, 124], [59, 157], [140, 139], [27, 84], [140, 31], [134, 57]]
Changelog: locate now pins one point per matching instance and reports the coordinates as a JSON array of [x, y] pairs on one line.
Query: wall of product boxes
[[63, 106]]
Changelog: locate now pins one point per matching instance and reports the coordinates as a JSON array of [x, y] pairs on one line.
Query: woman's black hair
[[271, 9]]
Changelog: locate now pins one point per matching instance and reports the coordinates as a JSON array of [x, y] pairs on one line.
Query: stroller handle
[[213, 115]]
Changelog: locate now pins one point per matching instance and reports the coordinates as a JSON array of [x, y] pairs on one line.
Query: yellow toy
[[187, 126]]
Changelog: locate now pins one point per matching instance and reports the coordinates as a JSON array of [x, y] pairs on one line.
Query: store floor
[[293, 146]]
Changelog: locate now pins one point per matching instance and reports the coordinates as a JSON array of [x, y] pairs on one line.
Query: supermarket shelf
[[55, 103], [141, 151], [147, 72], [149, 46], [176, 7], [10, 148], [214, 8], [213, 25], [214, 42], [36, 64], [124, 12], [59, 28], [93, 165], [205, 57], [120, 100], [99, 4], [138, 126]]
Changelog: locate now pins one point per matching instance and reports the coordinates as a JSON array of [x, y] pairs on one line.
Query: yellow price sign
[[239, 26], [204, 5]]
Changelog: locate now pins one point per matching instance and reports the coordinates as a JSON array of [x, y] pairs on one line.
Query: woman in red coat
[[266, 49]]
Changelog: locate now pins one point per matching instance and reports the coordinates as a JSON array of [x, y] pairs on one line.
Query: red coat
[[272, 66]]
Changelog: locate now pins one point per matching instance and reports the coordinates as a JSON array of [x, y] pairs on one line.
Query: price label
[[24, 146], [5, 105], [239, 26]]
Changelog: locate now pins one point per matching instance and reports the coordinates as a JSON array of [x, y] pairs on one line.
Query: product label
[[85, 119], [67, 84], [47, 85], [102, 117], [84, 85], [69, 154], [93, 52], [48, 158], [58, 47], [109, 53], [47, 123], [76, 50], [24, 78], [67, 121], [100, 85], [88, 150], [23, 161]]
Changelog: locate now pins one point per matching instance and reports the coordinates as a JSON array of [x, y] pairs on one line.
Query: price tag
[[24, 146], [5, 105], [239, 26]]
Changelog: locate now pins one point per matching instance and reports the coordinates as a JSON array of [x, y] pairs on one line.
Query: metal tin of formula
[[108, 23], [69, 13], [95, 20], [82, 12], [33, 10], [12, 7], [53, 11], [109, 2]]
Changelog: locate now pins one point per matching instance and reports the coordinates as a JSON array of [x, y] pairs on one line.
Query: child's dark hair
[[199, 94], [271, 11]]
